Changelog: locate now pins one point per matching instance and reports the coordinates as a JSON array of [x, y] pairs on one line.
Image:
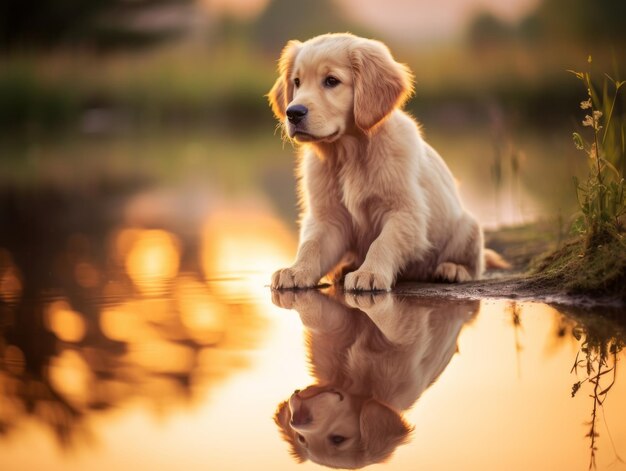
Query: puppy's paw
[[294, 277], [362, 280], [452, 273]]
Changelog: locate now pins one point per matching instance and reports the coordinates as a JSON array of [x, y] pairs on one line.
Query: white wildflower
[[593, 121]]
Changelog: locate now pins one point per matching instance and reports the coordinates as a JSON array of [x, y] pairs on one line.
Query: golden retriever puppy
[[372, 357], [377, 200]]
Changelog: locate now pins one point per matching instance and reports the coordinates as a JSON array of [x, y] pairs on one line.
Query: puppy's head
[[335, 429], [335, 84]]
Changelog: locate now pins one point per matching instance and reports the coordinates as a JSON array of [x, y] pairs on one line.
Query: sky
[[403, 19], [428, 19]]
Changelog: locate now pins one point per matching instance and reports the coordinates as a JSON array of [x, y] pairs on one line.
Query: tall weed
[[602, 197]]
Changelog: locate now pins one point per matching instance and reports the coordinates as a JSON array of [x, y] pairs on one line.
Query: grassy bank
[[575, 268], [594, 261]]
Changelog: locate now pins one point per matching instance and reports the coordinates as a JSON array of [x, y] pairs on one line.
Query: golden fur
[[372, 357], [378, 202]]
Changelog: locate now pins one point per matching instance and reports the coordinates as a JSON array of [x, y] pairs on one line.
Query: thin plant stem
[[608, 118], [594, 412], [597, 146]]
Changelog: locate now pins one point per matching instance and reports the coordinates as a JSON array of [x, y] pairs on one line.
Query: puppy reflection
[[372, 356]]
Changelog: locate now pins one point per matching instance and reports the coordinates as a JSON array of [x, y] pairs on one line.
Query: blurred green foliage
[[222, 78], [167, 87], [302, 19], [25, 99], [589, 21], [103, 24], [556, 21]]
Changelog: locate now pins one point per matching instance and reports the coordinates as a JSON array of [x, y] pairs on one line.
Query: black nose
[[296, 113]]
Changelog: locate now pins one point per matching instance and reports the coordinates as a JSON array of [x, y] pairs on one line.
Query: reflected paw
[[452, 273], [364, 301], [294, 277], [361, 280], [300, 300]]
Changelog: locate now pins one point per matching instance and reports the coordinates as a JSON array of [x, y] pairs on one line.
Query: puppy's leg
[[462, 258], [321, 248], [402, 239]]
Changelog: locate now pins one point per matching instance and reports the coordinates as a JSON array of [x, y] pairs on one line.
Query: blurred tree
[[581, 19], [283, 20], [486, 29], [569, 20], [104, 24]]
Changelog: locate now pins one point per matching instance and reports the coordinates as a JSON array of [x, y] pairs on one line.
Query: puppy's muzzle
[[296, 113]]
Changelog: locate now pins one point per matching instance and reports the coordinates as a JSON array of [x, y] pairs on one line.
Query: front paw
[[362, 280], [452, 273], [294, 277]]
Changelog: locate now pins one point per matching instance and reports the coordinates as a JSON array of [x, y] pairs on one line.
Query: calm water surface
[[137, 331]]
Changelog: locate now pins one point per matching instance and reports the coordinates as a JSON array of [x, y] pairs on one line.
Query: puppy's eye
[[331, 82], [296, 82], [301, 439], [337, 439]]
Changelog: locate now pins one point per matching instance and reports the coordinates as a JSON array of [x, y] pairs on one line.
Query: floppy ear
[[282, 92], [382, 430], [282, 416], [380, 83]]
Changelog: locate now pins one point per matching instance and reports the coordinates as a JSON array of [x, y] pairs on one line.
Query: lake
[[138, 331]]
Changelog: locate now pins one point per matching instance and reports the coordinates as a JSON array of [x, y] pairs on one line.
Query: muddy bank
[[517, 287], [521, 246]]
